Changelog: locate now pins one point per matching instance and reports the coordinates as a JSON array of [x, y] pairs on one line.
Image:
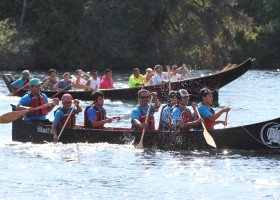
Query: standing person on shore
[[138, 114], [22, 81], [136, 79], [94, 81], [208, 113], [62, 84], [51, 79], [107, 81], [33, 99], [62, 114], [95, 115]]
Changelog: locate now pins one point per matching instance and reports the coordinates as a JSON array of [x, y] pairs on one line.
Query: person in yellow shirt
[[136, 79]]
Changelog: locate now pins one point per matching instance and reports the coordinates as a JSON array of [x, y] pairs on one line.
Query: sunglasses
[[144, 97]]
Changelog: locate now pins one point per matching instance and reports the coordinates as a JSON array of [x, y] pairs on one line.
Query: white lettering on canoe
[[270, 135], [41, 129]]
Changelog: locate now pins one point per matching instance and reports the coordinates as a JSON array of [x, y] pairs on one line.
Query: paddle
[[206, 134], [14, 115], [185, 67], [61, 90], [226, 120], [168, 77], [66, 122], [45, 84], [86, 74], [140, 144], [13, 93], [80, 86]]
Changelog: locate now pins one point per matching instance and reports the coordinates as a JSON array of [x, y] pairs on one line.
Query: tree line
[[122, 34]]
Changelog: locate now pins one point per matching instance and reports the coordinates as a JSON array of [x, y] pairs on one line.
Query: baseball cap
[[67, 98], [158, 67], [173, 93], [35, 82], [204, 92], [184, 93], [149, 69], [25, 71]]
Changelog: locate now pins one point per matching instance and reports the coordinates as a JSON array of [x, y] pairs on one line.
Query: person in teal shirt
[[136, 79]]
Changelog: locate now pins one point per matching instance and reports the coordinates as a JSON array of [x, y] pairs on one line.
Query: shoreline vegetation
[[119, 35]]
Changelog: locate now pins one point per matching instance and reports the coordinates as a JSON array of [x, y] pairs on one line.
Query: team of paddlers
[[175, 115]]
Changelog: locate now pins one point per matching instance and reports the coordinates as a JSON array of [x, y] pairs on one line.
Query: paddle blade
[[140, 145], [12, 116], [209, 139]]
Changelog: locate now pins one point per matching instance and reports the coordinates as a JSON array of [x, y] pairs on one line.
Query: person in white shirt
[[159, 76], [94, 81], [78, 79], [174, 76]]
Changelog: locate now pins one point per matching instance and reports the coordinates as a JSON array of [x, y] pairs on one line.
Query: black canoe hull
[[258, 136], [193, 85]]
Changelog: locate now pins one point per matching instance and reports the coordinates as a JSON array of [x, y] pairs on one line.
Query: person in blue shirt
[[33, 99], [182, 119], [165, 116], [138, 114], [62, 113], [65, 83], [207, 112], [22, 82], [95, 115]]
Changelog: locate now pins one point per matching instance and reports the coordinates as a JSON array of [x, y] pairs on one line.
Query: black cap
[[204, 92]]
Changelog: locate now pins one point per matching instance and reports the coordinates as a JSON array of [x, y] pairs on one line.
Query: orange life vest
[[100, 115], [35, 102], [209, 125], [186, 116], [151, 121], [71, 122]]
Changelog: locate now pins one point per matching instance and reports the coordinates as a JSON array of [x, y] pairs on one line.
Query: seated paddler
[[95, 115], [34, 98], [138, 114], [62, 114], [136, 79]]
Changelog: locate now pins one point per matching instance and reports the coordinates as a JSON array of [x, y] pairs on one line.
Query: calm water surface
[[104, 171]]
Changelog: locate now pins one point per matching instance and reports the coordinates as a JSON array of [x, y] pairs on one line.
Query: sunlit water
[[104, 171]]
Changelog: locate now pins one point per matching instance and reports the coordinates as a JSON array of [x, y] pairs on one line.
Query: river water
[[104, 171]]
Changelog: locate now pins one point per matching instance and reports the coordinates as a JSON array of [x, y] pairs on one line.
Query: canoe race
[[134, 100]]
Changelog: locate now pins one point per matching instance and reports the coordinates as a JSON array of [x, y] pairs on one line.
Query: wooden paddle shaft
[[63, 89], [140, 144], [66, 122], [188, 72]]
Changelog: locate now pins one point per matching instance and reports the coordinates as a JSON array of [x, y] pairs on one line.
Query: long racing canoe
[[258, 136], [192, 85]]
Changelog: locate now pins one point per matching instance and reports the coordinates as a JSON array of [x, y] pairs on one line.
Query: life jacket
[[26, 81], [186, 116], [163, 126], [209, 125], [151, 121], [35, 102], [71, 122], [100, 115]]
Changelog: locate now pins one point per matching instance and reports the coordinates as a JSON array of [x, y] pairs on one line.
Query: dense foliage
[[67, 34]]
